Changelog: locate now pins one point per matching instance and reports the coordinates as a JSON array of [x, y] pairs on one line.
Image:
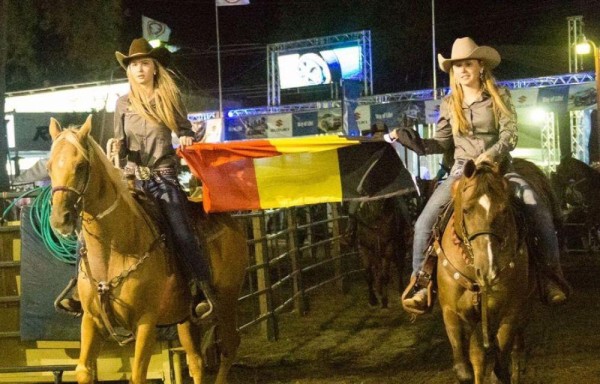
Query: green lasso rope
[[62, 248]]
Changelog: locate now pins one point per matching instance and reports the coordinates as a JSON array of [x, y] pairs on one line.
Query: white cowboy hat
[[465, 48]]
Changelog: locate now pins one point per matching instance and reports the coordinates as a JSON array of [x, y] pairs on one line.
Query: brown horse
[[128, 280], [484, 281], [380, 236]]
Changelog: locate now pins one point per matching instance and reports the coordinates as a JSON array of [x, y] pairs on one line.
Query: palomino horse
[[484, 280], [381, 233], [127, 278]]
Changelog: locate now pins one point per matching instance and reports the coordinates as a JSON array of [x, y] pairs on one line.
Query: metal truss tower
[[575, 28], [577, 136], [549, 140]]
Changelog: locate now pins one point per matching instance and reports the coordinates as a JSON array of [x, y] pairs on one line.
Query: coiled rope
[[61, 247]]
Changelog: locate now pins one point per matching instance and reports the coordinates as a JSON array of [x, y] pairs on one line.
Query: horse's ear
[[54, 128], [469, 169], [85, 129]]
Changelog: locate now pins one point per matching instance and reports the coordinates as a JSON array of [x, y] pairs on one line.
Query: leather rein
[[102, 287]]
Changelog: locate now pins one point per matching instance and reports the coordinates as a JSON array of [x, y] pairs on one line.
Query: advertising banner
[[399, 114], [31, 129], [305, 123], [279, 125], [432, 111], [330, 121]]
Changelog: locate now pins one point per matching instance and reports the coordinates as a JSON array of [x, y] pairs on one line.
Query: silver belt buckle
[[142, 173]]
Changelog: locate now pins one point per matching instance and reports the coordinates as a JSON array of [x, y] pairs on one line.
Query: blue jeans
[[539, 218], [172, 201]]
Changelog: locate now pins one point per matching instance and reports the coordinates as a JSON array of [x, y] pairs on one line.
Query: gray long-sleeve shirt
[[145, 142], [496, 138]]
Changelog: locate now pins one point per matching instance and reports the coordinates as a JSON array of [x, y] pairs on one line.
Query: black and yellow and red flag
[[285, 172]]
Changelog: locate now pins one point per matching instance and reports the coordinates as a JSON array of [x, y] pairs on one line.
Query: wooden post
[[335, 247], [263, 279], [300, 303]]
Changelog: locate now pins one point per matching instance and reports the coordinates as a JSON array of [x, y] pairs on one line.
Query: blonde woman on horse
[[145, 118], [479, 121], [144, 121]]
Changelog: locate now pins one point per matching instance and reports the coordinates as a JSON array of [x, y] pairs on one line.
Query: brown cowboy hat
[[465, 48], [141, 48]]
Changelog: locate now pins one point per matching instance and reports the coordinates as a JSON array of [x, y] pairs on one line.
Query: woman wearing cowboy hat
[[145, 119], [478, 122]]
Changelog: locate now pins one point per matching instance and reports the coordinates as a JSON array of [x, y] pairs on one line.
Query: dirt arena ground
[[343, 341]]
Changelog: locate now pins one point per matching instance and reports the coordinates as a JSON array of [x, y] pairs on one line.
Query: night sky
[[531, 36]]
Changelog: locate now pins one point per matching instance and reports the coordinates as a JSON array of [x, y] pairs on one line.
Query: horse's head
[[69, 170], [484, 218]]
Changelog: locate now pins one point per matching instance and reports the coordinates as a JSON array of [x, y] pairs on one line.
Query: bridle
[[78, 205], [66, 188], [466, 237]]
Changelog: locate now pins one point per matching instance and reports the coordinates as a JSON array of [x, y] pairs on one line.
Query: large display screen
[[318, 67]]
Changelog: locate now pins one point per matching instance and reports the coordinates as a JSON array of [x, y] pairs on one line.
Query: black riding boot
[[555, 288], [71, 304]]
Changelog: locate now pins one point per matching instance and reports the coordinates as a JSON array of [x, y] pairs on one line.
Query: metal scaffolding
[[549, 139], [424, 94], [577, 136], [575, 28]]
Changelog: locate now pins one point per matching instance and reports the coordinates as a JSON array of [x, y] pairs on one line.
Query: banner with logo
[[305, 124], [155, 30], [330, 121], [279, 125], [432, 111]]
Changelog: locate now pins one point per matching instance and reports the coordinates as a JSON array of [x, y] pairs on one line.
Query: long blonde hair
[[488, 83], [167, 98]]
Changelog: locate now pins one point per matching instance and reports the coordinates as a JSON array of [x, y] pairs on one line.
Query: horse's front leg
[[91, 344], [385, 278], [194, 359], [482, 359], [369, 274], [144, 344], [506, 341], [456, 336]]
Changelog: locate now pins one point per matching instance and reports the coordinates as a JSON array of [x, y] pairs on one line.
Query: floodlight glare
[[583, 48], [154, 43], [538, 115]]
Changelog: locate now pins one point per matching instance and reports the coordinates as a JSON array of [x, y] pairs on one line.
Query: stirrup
[[412, 288], [64, 304], [205, 308]]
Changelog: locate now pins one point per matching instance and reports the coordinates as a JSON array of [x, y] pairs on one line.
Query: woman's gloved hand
[[410, 139]]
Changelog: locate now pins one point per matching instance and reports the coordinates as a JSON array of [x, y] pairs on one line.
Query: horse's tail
[[541, 185]]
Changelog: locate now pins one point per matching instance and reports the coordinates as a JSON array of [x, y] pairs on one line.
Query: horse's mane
[[487, 181]]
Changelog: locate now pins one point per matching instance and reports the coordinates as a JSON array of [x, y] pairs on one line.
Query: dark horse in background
[[383, 232], [577, 186], [486, 280]]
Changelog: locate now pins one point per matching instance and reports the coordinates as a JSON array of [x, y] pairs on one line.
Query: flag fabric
[[285, 172], [155, 30], [226, 3]]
